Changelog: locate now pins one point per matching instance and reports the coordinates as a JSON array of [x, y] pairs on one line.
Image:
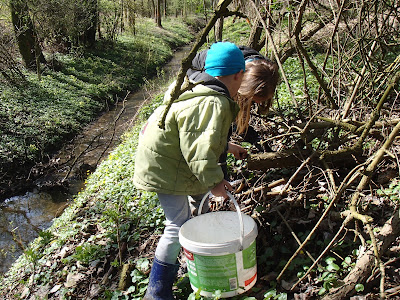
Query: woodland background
[[322, 183]]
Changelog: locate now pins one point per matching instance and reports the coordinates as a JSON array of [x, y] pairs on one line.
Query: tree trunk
[[153, 11], [218, 28], [131, 16], [90, 33], [158, 14], [123, 14], [255, 35], [25, 34]]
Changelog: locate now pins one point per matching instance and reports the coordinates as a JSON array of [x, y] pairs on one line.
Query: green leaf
[[143, 264], [192, 296], [359, 287], [321, 291], [217, 294], [333, 267], [330, 260], [300, 274], [281, 296], [270, 294]]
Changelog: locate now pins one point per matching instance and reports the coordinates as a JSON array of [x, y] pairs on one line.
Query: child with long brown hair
[[258, 86]]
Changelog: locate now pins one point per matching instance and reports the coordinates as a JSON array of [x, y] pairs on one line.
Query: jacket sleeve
[[203, 131]]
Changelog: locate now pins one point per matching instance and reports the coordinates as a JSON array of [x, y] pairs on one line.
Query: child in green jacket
[[182, 159]]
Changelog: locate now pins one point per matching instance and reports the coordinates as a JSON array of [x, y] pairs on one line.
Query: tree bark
[[218, 28], [291, 158], [25, 34], [158, 14], [89, 36], [268, 160], [153, 12], [255, 35]]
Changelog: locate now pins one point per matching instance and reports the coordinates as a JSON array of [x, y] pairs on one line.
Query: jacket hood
[[250, 54], [214, 87], [197, 74], [210, 82]]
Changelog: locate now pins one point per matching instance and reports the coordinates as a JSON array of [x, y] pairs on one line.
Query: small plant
[[88, 252], [139, 279], [274, 295], [46, 237], [392, 192]]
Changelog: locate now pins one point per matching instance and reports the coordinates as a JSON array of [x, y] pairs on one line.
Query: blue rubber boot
[[162, 277]]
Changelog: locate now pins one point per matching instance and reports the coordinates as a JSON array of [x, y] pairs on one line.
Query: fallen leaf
[[94, 290], [25, 293], [73, 279], [55, 288]]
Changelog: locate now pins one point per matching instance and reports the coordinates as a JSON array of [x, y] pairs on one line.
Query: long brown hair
[[260, 80]]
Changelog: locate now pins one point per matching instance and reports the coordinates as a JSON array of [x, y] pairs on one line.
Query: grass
[[38, 115], [111, 202]]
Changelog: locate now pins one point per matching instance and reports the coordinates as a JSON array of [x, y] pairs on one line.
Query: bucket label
[[212, 273], [249, 256]]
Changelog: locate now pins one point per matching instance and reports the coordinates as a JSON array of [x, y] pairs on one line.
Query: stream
[[22, 217]]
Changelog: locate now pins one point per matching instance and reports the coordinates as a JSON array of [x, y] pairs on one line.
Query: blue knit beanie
[[224, 58]]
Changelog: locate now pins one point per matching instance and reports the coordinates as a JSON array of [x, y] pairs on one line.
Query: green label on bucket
[[249, 256], [212, 273]]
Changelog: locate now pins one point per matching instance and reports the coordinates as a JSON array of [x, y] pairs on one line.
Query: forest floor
[[103, 244]]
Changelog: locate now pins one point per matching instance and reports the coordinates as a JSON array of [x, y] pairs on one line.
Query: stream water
[[22, 217]]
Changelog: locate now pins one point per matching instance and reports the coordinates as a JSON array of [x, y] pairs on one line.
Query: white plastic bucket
[[220, 248]]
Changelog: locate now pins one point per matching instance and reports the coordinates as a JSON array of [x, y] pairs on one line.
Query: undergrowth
[[38, 115]]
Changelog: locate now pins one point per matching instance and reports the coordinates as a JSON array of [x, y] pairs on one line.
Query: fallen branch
[[268, 160], [291, 158], [365, 263]]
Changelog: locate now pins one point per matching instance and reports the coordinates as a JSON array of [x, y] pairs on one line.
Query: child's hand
[[220, 189], [238, 151]]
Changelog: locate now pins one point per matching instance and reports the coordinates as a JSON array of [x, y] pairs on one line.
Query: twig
[[297, 172], [294, 234], [363, 183], [187, 62], [359, 78], [374, 117], [276, 55], [351, 176], [345, 222], [110, 140]]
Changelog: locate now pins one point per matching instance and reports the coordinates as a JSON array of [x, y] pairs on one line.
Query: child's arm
[[237, 151]]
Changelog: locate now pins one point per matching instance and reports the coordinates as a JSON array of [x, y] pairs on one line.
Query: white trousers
[[177, 209]]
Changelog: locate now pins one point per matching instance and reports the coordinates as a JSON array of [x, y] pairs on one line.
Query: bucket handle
[[237, 209]]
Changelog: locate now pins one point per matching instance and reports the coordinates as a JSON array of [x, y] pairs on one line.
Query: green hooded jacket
[[182, 159]]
